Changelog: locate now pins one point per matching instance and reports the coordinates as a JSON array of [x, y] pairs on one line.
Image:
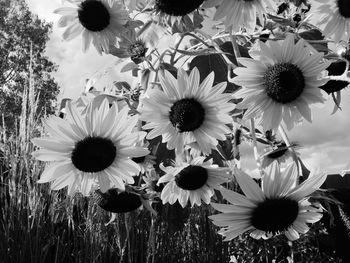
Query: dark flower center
[[116, 202], [137, 52], [177, 7], [344, 8], [138, 159], [275, 215], [192, 177], [93, 15], [186, 115], [284, 82], [277, 153], [93, 154]]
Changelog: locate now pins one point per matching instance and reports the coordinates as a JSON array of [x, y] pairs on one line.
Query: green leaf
[[315, 34], [213, 62], [128, 67]]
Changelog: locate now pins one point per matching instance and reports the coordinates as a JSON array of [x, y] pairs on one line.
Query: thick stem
[[287, 142]]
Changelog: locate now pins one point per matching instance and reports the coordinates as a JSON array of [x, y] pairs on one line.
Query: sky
[[324, 144]]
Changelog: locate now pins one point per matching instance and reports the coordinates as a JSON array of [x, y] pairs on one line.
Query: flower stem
[[287, 142], [234, 44], [255, 147]]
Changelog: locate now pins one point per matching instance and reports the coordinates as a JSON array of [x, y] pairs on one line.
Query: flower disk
[[177, 7], [192, 177], [93, 15], [284, 82], [186, 115], [344, 8], [275, 215], [93, 154]]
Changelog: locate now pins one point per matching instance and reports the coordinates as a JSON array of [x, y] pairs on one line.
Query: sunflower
[[276, 208], [280, 82], [186, 111], [240, 13], [180, 14], [130, 47], [89, 149], [99, 21], [195, 181], [117, 201], [333, 17], [280, 153]]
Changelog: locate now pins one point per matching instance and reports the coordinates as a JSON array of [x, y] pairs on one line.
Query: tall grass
[[37, 225]]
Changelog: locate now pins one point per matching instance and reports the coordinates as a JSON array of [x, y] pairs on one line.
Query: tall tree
[[23, 38]]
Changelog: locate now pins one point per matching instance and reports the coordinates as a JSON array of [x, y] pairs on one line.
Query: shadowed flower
[[195, 181], [91, 149], [278, 207], [333, 17], [99, 21], [117, 202], [130, 47], [186, 111], [240, 13], [280, 82], [180, 13]]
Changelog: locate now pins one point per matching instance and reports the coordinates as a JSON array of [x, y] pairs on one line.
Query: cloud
[[325, 143]]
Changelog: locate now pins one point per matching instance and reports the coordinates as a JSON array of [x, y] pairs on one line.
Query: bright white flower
[[194, 181], [333, 17], [186, 111], [280, 82], [240, 13], [99, 21], [279, 207], [94, 148]]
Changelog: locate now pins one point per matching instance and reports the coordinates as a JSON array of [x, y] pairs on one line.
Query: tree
[[23, 37]]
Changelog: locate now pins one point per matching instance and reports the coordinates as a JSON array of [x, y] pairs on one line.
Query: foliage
[[23, 41]]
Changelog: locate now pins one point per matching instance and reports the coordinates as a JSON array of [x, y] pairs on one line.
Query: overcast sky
[[325, 144]]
